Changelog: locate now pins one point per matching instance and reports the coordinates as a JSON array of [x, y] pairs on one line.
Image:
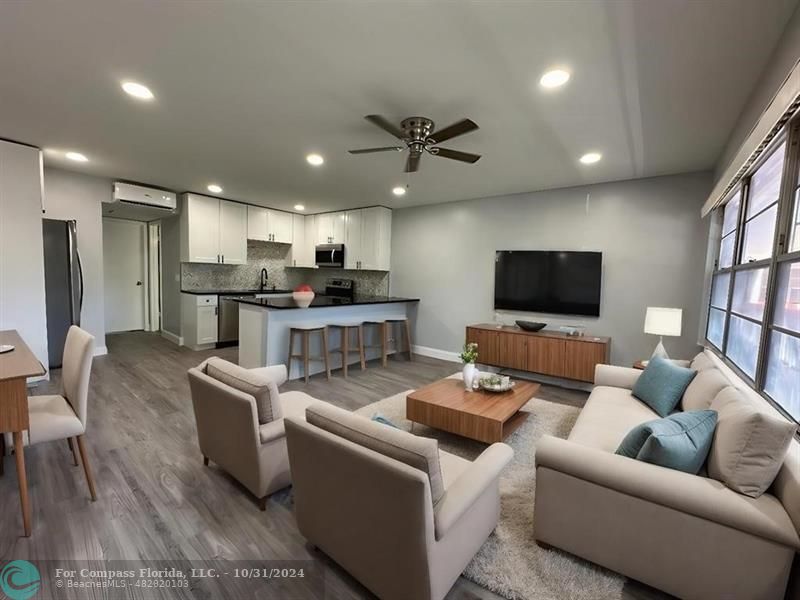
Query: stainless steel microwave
[[329, 256]]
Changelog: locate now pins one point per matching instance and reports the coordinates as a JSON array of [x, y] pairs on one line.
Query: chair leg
[[74, 451], [262, 504], [361, 347], [86, 468], [408, 340], [291, 352], [305, 355], [384, 329], [325, 353], [345, 349]]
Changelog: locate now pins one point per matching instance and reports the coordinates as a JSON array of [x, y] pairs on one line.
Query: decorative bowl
[[493, 383], [303, 299]]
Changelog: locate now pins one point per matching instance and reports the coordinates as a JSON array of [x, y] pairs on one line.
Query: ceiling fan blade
[[455, 155], [412, 164], [370, 150], [454, 130], [386, 125]]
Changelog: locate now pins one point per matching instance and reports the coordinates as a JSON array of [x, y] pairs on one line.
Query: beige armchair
[[229, 431], [402, 517]]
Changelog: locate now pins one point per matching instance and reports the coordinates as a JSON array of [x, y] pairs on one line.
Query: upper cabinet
[[213, 230], [303, 238], [269, 225], [330, 228], [368, 233]]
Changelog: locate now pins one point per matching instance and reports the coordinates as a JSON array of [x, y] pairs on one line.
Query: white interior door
[[124, 270]]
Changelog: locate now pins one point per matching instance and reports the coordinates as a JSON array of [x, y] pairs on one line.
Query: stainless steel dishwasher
[[228, 320]]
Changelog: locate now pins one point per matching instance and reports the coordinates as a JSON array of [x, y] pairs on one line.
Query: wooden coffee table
[[484, 416]]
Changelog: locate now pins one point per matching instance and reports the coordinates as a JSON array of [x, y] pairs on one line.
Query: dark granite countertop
[[227, 292], [322, 301]]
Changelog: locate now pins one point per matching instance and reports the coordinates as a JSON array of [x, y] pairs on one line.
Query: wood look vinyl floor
[[156, 500]]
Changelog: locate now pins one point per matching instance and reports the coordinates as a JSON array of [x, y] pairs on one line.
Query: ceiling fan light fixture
[[315, 159], [554, 78], [399, 190]]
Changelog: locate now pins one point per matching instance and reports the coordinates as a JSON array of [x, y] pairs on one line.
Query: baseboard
[[100, 351], [175, 339], [436, 353]]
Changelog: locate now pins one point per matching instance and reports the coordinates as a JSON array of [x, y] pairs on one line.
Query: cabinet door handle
[[223, 258], [216, 310], [217, 257]]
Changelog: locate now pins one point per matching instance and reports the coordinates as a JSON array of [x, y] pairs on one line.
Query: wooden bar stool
[[306, 333], [344, 347], [384, 329]]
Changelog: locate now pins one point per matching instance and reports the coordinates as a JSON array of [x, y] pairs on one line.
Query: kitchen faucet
[[264, 279]]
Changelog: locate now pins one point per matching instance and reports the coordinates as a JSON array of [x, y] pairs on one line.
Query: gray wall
[[781, 61], [649, 230], [69, 195], [170, 276]]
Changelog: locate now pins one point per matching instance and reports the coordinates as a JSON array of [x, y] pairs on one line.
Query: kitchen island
[[264, 325]]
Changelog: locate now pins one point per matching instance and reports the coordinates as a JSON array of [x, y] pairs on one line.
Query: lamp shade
[[663, 321]]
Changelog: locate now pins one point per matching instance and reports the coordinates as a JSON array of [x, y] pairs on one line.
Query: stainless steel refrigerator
[[63, 280]]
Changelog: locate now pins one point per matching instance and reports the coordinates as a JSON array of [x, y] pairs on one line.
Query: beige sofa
[[403, 531], [230, 435], [688, 535]]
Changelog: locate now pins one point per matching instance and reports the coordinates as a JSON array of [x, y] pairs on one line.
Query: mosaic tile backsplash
[[196, 276]]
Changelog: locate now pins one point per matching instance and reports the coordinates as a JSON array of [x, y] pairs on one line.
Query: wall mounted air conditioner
[[130, 201]]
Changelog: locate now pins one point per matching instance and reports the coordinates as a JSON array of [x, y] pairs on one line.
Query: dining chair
[[63, 417]]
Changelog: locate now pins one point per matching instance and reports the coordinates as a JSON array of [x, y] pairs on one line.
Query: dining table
[[16, 366]]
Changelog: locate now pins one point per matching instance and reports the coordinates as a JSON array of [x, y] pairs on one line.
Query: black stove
[[342, 290]]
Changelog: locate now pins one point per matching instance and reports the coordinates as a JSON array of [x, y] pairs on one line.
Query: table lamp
[[662, 321]]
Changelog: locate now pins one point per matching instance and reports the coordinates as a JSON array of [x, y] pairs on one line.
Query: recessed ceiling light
[[590, 158], [213, 187], [399, 191], [315, 159], [554, 78], [76, 156], [137, 90], [299, 207]]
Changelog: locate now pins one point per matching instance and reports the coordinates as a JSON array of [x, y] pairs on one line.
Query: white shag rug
[[510, 563]]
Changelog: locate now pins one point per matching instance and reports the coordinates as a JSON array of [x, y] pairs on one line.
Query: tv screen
[[548, 281]]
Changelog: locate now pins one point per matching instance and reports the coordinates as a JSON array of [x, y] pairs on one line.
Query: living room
[[400, 300]]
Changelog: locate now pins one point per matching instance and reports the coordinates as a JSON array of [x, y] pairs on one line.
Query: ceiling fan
[[418, 135]]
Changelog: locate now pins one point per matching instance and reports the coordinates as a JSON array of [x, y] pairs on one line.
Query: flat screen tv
[[548, 281]]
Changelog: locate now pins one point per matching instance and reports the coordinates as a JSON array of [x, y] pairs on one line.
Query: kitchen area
[[230, 259]]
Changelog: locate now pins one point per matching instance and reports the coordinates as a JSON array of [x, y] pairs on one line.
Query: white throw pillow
[[749, 446], [703, 389]]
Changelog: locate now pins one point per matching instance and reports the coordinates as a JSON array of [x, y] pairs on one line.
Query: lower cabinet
[[549, 353], [199, 319]]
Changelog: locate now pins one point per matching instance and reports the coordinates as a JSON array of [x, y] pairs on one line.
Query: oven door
[[329, 255]]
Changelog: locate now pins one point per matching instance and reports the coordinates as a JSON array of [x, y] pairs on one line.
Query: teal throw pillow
[[661, 385], [680, 441]]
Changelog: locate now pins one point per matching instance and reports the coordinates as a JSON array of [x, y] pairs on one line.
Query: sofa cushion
[[749, 445], [703, 389], [701, 362], [261, 388], [662, 384], [608, 415], [680, 441], [417, 452]]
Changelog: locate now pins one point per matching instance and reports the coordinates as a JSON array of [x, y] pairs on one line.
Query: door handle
[[138, 283]]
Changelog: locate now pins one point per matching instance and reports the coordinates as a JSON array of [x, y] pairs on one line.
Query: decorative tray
[[496, 384]]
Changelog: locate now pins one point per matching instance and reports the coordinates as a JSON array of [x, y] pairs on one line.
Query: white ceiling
[[245, 90]]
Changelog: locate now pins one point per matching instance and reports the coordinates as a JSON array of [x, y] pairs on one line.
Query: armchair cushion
[[415, 451], [252, 382], [749, 446]]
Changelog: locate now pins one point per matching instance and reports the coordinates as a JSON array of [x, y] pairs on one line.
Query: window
[[754, 306]]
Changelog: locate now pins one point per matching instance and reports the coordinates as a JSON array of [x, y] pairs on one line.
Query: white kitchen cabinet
[[268, 225], [330, 228], [199, 318], [213, 230], [369, 238], [232, 233], [304, 238]]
